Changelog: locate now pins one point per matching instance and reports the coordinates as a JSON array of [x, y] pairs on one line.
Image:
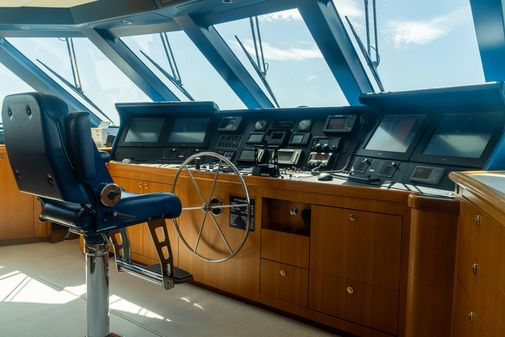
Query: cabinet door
[[362, 246], [16, 208], [358, 302], [148, 248], [284, 282], [134, 232]]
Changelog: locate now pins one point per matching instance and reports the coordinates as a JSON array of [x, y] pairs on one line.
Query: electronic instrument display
[[298, 138], [462, 135], [255, 138], [230, 124], [247, 155], [340, 123], [277, 138], [186, 131], [144, 130], [287, 156]]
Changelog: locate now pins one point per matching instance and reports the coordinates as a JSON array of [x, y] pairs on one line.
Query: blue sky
[[427, 43]]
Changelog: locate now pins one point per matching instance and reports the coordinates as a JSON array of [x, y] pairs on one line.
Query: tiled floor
[[43, 294]]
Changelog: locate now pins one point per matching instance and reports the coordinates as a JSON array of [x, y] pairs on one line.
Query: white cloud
[[420, 32], [288, 15], [281, 54], [348, 8]]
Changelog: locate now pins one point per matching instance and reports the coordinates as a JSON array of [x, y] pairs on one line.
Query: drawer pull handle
[[146, 186], [350, 290], [353, 217], [283, 273], [477, 219], [140, 185], [474, 268], [472, 316]]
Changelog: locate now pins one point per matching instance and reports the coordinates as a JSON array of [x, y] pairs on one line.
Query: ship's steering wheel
[[212, 206]]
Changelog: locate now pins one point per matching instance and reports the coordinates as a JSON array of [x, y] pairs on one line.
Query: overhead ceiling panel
[[44, 3]]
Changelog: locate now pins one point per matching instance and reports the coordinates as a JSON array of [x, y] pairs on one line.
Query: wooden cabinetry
[[479, 301], [18, 211], [342, 256], [355, 266]]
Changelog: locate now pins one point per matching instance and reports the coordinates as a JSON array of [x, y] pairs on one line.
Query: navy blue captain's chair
[[53, 157]]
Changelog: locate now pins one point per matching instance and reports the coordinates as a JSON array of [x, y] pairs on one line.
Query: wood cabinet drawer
[[357, 245], [361, 303], [489, 303], [285, 248], [467, 321], [285, 283]]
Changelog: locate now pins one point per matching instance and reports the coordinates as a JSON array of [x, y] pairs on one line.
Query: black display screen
[[229, 124], [144, 130], [297, 139], [422, 172], [189, 131], [395, 133], [336, 123], [462, 135], [247, 155], [255, 138]]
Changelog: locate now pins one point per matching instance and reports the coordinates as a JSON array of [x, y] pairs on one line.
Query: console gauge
[[260, 125], [304, 125]]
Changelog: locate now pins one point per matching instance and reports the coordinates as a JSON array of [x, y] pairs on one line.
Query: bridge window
[[196, 75], [10, 84], [422, 44], [102, 82], [294, 67]]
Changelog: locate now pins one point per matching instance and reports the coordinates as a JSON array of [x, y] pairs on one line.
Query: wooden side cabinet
[[355, 266], [479, 296]]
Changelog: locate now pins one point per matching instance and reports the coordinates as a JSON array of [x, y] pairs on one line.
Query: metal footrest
[[154, 274]]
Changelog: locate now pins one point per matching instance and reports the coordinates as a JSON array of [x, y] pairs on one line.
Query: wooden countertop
[[488, 186]]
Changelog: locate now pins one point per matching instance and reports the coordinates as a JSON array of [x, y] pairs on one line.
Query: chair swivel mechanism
[[53, 157]]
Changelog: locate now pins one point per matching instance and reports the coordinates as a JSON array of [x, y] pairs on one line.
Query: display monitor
[[188, 131], [462, 135], [396, 133], [144, 130]]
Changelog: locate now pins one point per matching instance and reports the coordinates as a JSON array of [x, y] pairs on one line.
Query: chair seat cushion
[[149, 206]]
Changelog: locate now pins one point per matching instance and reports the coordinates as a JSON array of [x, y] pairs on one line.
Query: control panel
[[397, 138]]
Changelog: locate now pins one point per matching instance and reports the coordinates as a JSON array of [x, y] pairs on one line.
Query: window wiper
[[260, 66], [177, 82], [76, 90], [367, 52]]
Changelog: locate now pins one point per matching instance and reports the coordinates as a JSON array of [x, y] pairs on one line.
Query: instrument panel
[[395, 139]]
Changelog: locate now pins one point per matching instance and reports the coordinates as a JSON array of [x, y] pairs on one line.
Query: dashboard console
[[414, 138]]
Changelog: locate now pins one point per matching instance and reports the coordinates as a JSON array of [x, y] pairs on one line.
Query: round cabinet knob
[[350, 290], [474, 268], [139, 185], [283, 273], [472, 316], [353, 217], [146, 186]]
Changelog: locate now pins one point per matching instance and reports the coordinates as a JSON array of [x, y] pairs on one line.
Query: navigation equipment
[[461, 135], [188, 131], [144, 130], [395, 137]]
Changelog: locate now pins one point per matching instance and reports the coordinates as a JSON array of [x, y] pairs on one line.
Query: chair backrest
[[51, 150]]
